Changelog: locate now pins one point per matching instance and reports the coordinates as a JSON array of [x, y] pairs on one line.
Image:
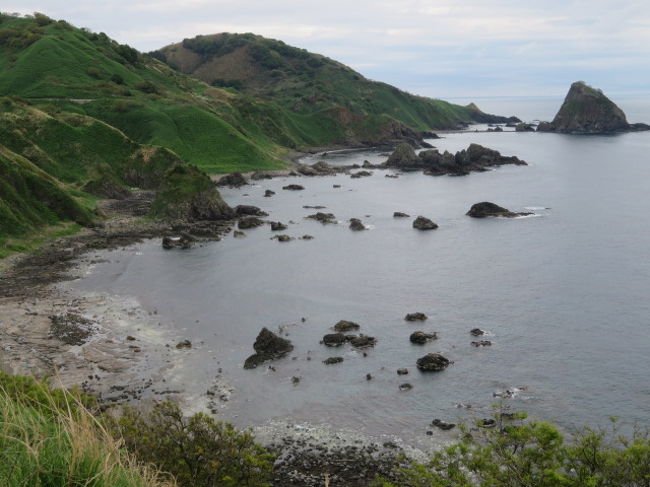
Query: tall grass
[[54, 441]]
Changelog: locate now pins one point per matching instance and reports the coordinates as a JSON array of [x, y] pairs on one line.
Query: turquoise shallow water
[[563, 294]]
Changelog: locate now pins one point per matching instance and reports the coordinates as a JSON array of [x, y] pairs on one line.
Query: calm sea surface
[[564, 295]]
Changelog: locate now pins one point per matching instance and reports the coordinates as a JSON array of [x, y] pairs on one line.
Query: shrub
[[198, 450], [534, 454], [147, 87], [117, 79]]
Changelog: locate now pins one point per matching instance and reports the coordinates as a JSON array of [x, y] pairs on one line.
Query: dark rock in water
[[393, 176], [482, 343], [336, 186], [423, 223], [415, 316], [344, 325], [368, 377], [399, 214], [402, 371], [486, 208], [278, 226], [234, 179], [249, 222], [420, 337], [268, 193], [295, 379], [184, 344], [333, 360], [429, 135], [403, 156], [307, 237], [314, 207], [363, 341], [323, 217], [432, 362], [334, 339], [438, 423], [356, 224], [587, 110], [524, 127], [405, 387], [282, 238], [477, 332], [238, 234], [268, 346], [250, 210], [360, 174], [293, 187]]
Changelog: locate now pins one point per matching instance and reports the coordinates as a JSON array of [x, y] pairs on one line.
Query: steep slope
[[305, 82], [587, 110]]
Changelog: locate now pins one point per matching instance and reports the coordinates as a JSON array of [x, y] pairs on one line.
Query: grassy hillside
[[302, 81]]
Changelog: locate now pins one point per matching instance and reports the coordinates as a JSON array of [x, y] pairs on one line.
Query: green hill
[[304, 82]]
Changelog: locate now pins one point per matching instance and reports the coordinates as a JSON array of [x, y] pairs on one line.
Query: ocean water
[[563, 294]]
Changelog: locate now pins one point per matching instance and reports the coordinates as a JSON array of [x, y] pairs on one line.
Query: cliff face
[[587, 110]]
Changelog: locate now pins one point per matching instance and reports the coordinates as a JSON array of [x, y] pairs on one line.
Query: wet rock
[[307, 237], [293, 187], [524, 127], [404, 156], [268, 346], [314, 207], [268, 193], [336, 186], [185, 241], [368, 377], [71, 328], [477, 332], [399, 214], [249, 210], [130, 338], [423, 223], [405, 387], [402, 371], [184, 344], [238, 234], [295, 380], [282, 238], [324, 218], [420, 337], [417, 316], [486, 209], [234, 179], [360, 174], [249, 222], [432, 362], [278, 226], [487, 423], [438, 423], [356, 225], [344, 325], [333, 360], [363, 341], [482, 343], [334, 339]]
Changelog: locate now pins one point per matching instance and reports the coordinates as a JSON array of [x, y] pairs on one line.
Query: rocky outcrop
[[475, 158], [480, 116], [400, 214], [334, 339], [432, 362], [356, 225], [344, 325], [361, 341], [250, 210], [423, 223], [587, 110], [417, 316], [323, 217], [486, 208], [234, 179], [249, 222], [524, 127], [278, 226], [268, 346]]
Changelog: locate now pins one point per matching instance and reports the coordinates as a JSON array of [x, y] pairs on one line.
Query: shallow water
[[563, 294]]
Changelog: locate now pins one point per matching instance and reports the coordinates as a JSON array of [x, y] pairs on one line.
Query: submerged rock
[[334, 339], [268, 346], [417, 316], [184, 344], [420, 337], [486, 208], [268, 193], [323, 217], [423, 223], [249, 222], [432, 362], [402, 371], [360, 174], [482, 343], [282, 238], [344, 325], [278, 226], [363, 341], [357, 225], [405, 387], [293, 187], [587, 110], [333, 360]]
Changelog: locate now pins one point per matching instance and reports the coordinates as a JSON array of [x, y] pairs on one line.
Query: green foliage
[[527, 454], [198, 450]]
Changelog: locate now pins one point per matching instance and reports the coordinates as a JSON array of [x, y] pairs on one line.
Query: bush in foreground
[[534, 454]]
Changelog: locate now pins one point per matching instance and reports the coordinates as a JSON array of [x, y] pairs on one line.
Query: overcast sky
[[441, 48]]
